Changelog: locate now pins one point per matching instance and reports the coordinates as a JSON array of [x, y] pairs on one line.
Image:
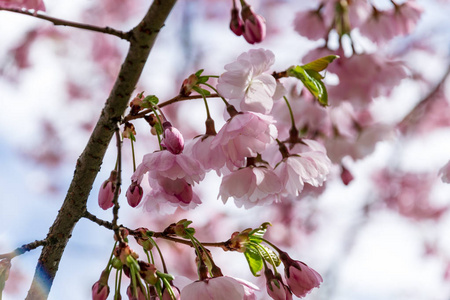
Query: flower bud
[[173, 140], [140, 293], [275, 287], [188, 84], [254, 25], [176, 293], [300, 278], [136, 104], [142, 239], [106, 192], [134, 194], [100, 289], [148, 272], [236, 24]]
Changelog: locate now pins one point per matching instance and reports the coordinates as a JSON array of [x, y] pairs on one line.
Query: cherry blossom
[[166, 164], [311, 166], [201, 151], [217, 288], [246, 85], [244, 135], [310, 24], [250, 186]]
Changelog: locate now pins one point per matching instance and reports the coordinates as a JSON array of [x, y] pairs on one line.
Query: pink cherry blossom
[[217, 288], [173, 140], [20, 4], [249, 289], [445, 173], [246, 85], [244, 135], [311, 166], [250, 186], [166, 164], [166, 195], [310, 24], [299, 277], [200, 150]]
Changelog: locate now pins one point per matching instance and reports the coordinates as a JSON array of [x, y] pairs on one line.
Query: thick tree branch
[[60, 22], [88, 164]]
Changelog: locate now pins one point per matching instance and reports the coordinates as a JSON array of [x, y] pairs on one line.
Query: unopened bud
[[173, 140], [106, 192], [188, 84], [236, 24], [134, 194], [254, 26]]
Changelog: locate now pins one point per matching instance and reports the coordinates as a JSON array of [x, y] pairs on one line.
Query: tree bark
[[89, 162]]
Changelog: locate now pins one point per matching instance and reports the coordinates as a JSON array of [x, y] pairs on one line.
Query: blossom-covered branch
[[61, 22]]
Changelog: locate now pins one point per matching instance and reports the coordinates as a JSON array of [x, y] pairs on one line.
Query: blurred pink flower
[[217, 288], [383, 25], [311, 166], [173, 140], [299, 277], [310, 24], [445, 173], [244, 135], [246, 85], [250, 186], [20, 4]]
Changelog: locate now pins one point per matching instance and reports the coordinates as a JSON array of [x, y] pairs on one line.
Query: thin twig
[[165, 103], [22, 249], [118, 183], [61, 22], [159, 235]]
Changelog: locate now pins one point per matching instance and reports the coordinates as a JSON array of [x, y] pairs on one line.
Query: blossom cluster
[[243, 151]]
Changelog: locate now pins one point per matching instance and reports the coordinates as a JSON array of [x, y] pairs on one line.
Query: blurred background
[[384, 235]]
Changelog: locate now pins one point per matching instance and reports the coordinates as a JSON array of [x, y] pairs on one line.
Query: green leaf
[[270, 256], [201, 91], [320, 64], [202, 79], [254, 260], [257, 234], [151, 99], [314, 86], [199, 72]]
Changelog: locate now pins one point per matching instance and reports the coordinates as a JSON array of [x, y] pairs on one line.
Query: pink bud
[[100, 291], [134, 194], [188, 84], [254, 26], [299, 277], [173, 140], [106, 192], [275, 287], [236, 24]]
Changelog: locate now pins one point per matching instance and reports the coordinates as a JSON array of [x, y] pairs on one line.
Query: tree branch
[[22, 249], [88, 164], [61, 22]]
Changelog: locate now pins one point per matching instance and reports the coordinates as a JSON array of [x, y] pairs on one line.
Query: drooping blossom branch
[[61, 22], [22, 249], [88, 164]]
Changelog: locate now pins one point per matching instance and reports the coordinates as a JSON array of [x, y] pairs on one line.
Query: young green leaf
[[254, 260], [270, 256], [151, 99], [314, 86], [320, 64], [201, 91]]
